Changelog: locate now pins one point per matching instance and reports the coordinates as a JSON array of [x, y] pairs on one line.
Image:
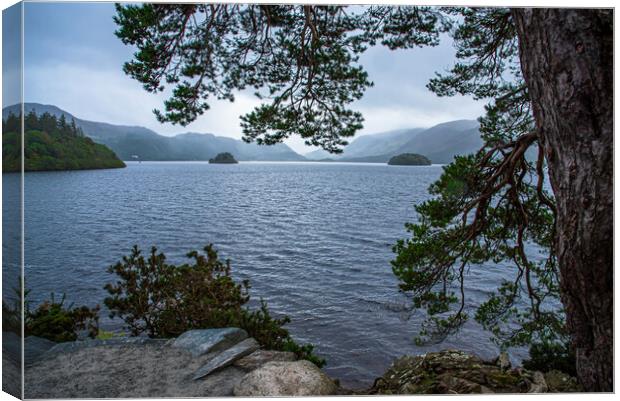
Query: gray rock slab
[[261, 357], [34, 347], [12, 346], [73, 346], [227, 357], [130, 371], [200, 342]]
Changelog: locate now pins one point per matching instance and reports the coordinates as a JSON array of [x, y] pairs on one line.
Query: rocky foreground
[[225, 362]]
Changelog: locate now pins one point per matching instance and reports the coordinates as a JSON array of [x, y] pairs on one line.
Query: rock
[[560, 382], [34, 347], [74, 346], [261, 357], [539, 385], [227, 357], [275, 379], [503, 361], [200, 342], [448, 372]]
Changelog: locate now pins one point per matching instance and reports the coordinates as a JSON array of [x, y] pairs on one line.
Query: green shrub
[[551, 356], [54, 321], [163, 300], [51, 319]]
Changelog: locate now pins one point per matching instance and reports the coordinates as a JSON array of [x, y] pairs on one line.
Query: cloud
[[110, 96]]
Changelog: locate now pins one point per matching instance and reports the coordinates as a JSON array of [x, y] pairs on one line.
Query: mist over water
[[314, 239]]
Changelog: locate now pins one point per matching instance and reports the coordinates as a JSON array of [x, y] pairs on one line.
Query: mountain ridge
[[440, 143], [129, 140]]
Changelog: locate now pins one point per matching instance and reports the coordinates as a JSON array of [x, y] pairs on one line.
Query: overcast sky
[[73, 60]]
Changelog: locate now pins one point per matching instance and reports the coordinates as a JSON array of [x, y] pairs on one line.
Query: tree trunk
[[567, 62]]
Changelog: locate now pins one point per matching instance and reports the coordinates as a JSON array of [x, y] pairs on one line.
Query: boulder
[[559, 382], [539, 385], [200, 342], [275, 379], [227, 357], [261, 357], [452, 372]]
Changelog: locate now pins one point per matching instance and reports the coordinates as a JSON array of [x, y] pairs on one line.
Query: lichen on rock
[[456, 372]]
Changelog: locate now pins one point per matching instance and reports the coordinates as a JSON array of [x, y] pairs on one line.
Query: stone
[[261, 357], [539, 385], [275, 379], [448, 372], [200, 342], [560, 382], [227, 357], [74, 346], [503, 361], [34, 347]]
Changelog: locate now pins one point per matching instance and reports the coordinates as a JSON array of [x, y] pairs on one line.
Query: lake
[[314, 239]]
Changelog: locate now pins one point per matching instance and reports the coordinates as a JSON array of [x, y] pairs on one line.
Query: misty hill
[[370, 145], [127, 141], [444, 141], [439, 143]]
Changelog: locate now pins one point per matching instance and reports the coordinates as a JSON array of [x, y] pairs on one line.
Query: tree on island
[[547, 74], [223, 158], [409, 159]]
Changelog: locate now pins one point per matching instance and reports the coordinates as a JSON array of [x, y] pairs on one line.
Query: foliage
[[409, 159], [487, 207], [164, 300], [57, 322], [551, 356], [51, 144], [302, 59]]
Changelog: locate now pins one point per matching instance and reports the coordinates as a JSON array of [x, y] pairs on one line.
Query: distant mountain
[[444, 141], [128, 141], [365, 146], [439, 143]]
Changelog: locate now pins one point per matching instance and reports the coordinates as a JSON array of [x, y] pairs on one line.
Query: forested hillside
[[52, 144]]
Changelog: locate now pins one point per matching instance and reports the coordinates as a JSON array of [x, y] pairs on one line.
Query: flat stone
[[275, 379], [34, 347], [73, 346], [261, 357], [227, 357], [200, 342]]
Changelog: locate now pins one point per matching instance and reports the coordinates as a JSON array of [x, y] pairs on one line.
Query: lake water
[[314, 239]]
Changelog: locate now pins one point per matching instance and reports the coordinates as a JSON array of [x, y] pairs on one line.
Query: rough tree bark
[[567, 61]]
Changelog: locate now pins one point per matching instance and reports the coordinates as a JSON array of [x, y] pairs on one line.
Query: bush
[[163, 300], [551, 356], [54, 321], [51, 319]]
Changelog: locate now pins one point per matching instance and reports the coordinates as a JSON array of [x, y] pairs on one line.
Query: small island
[[409, 159], [223, 158]]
